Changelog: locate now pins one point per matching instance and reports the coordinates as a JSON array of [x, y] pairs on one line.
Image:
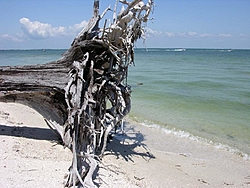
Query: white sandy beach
[[144, 157]]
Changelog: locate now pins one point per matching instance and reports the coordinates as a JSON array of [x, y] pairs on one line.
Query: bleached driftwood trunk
[[96, 97]]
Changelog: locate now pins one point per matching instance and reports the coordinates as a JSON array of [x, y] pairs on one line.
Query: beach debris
[[203, 181], [225, 183], [184, 154], [98, 77], [139, 179], [247, 177], [85, 106]]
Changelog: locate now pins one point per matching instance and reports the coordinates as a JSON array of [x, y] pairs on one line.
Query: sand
[[143, 157]]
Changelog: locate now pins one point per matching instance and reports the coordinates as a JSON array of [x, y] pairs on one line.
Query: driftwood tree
[[96, 97]]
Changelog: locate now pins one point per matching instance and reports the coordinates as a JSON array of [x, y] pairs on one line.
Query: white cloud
[[38, 30], [17, 38], [191, 33], [170, 34], [195, 34], [181, 34], [150, 31], [225, 35], [206, 35], [75, 29], [242, 35]]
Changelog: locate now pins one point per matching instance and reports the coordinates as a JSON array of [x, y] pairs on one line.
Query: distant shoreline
[[187, 48]]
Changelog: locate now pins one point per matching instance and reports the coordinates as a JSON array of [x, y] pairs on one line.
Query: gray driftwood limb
[[84, 95]]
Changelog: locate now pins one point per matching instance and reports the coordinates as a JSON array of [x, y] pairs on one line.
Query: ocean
[[202, 94]]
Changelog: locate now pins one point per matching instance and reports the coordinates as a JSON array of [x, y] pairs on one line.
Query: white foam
[[184, 134]]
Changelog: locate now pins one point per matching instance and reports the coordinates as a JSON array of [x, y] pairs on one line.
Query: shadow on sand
[[123, 145], [28, 132], [128, 145]]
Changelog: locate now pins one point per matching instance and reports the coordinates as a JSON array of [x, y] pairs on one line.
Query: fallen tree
[[96, 96]]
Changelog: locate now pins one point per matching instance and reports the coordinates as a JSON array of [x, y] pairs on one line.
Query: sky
[[53, 24]]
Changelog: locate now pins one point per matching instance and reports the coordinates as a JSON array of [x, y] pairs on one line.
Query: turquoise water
[[28, 57], [202, 93]]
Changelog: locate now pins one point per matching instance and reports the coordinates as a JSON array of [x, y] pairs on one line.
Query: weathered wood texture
[[38, 86], [84, 95]]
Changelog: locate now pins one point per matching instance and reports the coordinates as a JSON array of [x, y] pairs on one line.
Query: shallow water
[[203, 92], [199, 93], [29, 57]]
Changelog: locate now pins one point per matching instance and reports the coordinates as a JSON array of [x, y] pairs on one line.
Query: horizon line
[[134, 48]]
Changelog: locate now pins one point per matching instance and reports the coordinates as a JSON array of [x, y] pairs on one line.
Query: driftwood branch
[[84, 95]]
